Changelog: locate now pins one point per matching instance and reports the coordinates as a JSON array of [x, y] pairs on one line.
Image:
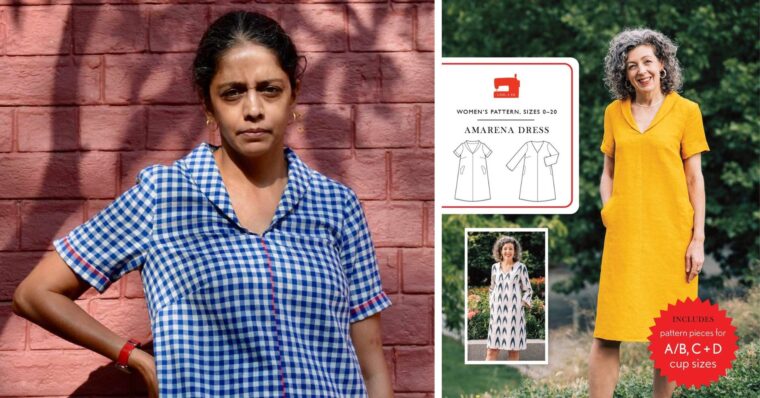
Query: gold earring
[[296, 116]]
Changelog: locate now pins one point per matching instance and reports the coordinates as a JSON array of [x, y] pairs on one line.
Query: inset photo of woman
[[505, 295]]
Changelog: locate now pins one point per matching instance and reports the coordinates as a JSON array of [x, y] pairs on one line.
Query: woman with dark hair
[[655, 210], [259, 273], [509, 293]]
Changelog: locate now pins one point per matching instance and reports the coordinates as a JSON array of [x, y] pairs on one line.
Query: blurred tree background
[[718, 50], [480, 254]]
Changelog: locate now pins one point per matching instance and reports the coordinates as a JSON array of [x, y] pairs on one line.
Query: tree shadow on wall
[[158, 88]]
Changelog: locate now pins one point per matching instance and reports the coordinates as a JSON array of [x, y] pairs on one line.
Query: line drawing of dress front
[[538, 158], [472, 173]]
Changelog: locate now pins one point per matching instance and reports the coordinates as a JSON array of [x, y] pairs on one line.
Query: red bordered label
[[693, 343]]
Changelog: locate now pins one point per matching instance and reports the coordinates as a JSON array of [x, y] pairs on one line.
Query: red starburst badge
[[693, 343]]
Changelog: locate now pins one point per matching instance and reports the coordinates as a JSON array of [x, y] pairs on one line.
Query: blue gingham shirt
[[234, 313]]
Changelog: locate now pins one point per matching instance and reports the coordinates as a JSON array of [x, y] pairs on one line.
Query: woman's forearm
[[695, 183], [367, 340], [697, 198], [46, 296], [63, 317]]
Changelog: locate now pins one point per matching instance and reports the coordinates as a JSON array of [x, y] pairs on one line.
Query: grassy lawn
[[460, 380]]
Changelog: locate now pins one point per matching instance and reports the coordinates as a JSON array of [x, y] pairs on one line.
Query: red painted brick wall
[[92, 93]]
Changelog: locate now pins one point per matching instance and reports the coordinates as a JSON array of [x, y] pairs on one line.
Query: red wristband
[[122, 362]]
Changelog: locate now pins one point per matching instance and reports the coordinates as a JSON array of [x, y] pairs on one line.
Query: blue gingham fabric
[[234, 313]]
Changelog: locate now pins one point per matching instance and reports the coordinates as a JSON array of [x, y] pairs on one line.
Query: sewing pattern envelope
[[538, 159], [472, 174]]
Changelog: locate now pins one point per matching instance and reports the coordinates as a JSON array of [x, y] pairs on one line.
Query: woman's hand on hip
[[146, 366], [695, 259]]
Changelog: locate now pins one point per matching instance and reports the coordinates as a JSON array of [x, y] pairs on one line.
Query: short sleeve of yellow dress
[[649, 216]]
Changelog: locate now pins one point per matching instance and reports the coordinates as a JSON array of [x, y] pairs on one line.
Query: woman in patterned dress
[[509, 293]]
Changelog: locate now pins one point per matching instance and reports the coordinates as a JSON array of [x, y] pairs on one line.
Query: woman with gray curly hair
[[510, 291], [655, 210]]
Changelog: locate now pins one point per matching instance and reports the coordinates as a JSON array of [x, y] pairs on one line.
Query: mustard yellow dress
[[649, 216]]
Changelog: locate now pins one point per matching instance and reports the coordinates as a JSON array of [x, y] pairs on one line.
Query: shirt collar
[[202, 170], [667, 105]]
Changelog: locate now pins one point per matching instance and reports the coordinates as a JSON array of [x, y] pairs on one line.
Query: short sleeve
[[693, 140], [608, 140], [113, 242], [486, 150], [458, 150], [357, 255]]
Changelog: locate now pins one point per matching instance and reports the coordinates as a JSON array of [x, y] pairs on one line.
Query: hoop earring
[[628, 85], [211, 122], [663, 74], [296, 115]]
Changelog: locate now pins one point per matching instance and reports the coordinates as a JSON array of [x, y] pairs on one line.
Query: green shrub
[[743, 380], [477, 325]]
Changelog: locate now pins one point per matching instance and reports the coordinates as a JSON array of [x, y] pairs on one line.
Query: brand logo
[[506, 87]]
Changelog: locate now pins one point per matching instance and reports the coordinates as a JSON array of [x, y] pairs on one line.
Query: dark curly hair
[[503, 240], [614, 63]]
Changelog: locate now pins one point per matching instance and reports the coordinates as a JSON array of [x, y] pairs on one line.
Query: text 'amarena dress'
[[233, 313], [649, 217], [508, 291]]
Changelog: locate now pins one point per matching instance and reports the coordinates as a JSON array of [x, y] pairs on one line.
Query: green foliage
[[743, 380], [477, 326], [718, 51], [480, 254]]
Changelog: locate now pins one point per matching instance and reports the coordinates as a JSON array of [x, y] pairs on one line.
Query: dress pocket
[[605, 212], [687, 211]]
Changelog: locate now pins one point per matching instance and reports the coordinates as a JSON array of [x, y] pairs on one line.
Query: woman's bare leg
[[662, 389], [603, 368], [492, 354], [514, 355]]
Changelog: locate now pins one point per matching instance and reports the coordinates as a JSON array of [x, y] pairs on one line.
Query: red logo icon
[[506, 87], [693, 343]]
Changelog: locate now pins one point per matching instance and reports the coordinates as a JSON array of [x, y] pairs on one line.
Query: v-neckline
[[533, 144], [510, 270], [472, 150], [665, 107]]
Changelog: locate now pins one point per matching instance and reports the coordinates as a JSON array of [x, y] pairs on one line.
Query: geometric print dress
[[508, 291]]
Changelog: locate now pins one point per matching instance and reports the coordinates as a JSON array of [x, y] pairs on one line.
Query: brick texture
[[112, 128], [119, 29], [6, 130], [9, 225], [47, 129], [56, 80], [93, 91], [39, 30], [380, 28], [386, 126]]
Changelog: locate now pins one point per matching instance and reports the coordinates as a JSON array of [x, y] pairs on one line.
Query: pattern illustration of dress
[[538, 158], [648, 217], [508, 291], [472, 175]]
